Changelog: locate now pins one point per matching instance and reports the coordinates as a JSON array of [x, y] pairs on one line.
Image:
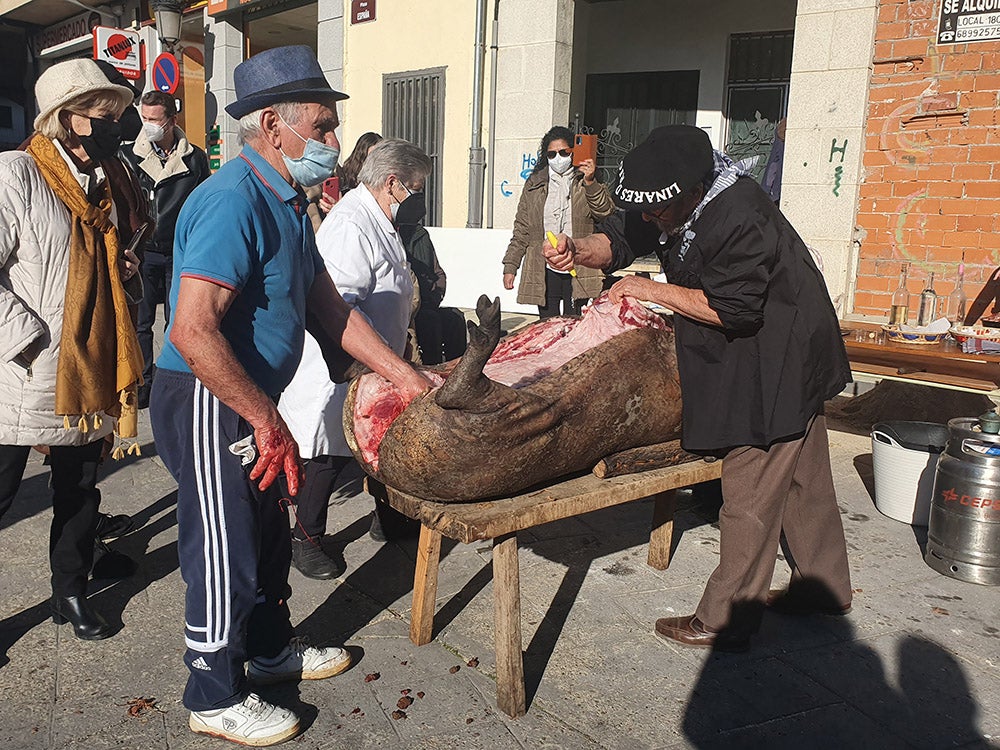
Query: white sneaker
[[253, 722], [299, 661]]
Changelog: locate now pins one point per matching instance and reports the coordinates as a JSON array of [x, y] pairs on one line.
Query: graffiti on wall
[[909, 148], [527, 163], [838, 171]]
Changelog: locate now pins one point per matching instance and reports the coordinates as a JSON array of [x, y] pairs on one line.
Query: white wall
[[472, 258]]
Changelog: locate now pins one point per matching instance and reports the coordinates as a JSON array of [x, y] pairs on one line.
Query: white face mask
[[153, 131], [559, 164]]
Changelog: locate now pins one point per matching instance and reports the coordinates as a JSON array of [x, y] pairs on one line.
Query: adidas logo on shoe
[[201, 664], [253, 722]]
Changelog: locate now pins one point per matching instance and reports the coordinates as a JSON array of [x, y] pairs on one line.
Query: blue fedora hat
[[281, 74]]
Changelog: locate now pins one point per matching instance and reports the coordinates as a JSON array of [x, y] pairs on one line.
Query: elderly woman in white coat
[[69, 358], [360, 244]]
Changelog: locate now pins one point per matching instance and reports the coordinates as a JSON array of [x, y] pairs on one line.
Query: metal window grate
[[758, 58], [413, 108]]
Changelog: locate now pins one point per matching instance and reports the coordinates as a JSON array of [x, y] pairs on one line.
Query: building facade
[[891, 139]]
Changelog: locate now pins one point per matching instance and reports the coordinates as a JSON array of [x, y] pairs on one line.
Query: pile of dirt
[[892, 400]]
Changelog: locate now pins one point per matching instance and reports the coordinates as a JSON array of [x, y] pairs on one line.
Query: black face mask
[[104, 140], [411, 210]]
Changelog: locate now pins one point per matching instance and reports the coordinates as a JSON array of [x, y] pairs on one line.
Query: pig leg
[[467, 386]]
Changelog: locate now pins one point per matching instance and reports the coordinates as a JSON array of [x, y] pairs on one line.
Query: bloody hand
[[278, 452]]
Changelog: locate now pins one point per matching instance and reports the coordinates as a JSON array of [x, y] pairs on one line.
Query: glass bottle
[[955, 310], [927, 311], [900, 300]]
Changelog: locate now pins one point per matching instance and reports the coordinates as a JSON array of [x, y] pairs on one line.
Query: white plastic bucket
[[904, 474]]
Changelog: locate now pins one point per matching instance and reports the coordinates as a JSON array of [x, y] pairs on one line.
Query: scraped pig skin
[[549, 400]]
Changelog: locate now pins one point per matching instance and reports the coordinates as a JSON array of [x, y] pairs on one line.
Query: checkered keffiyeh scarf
[[725, 174]]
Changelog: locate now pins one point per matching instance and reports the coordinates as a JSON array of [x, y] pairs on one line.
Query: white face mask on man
[[154, 131], [559, 164]]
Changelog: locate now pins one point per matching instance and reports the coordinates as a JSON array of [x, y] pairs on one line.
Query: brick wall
[[930, 193]]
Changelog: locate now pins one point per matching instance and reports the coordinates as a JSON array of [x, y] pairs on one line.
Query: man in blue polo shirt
[[246, 271]]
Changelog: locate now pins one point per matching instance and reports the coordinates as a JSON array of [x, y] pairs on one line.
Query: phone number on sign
[[962, 35]]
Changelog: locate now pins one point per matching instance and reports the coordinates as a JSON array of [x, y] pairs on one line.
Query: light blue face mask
[[318, 161]]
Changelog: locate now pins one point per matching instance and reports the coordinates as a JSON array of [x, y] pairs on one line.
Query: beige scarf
[[100, 363]]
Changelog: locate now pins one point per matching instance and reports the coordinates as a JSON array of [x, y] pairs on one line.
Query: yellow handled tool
[[555, 243]]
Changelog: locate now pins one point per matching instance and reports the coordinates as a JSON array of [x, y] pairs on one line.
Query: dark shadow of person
[[801, 693]]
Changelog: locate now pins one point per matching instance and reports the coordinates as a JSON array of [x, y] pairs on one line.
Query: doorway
[[622, 109]]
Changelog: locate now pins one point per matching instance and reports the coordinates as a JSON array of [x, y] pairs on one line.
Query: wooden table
[[943, 363], [500, 520]]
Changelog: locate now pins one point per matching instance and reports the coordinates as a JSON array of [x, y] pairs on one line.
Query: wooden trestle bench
[[500, 520]]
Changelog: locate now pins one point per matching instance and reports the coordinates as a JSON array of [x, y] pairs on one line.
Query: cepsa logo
[[990, 505]]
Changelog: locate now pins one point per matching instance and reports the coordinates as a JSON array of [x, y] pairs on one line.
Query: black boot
[[311, 561], [87, 624]]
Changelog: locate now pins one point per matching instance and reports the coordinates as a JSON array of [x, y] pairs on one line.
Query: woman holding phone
[[556, 198]]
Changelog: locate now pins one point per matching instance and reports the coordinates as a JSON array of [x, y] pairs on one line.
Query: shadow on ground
[[927, 704]]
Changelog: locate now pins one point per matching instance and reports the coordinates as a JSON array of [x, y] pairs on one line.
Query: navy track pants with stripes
[[232, 541]]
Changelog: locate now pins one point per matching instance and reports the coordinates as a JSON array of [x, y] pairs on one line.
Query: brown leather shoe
[[789, 603], [690, 631]]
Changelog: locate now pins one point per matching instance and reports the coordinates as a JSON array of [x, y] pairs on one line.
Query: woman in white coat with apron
[[360, 244]]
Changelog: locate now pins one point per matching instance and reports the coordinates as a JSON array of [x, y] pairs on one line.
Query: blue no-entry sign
[[166, 73]]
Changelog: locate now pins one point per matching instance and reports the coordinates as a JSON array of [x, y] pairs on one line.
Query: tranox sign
[[122, 48]]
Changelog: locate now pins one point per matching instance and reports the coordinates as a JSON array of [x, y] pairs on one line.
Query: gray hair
[[394, 156], [249, 125]]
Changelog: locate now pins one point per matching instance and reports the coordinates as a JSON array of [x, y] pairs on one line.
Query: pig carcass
[[549, 400]]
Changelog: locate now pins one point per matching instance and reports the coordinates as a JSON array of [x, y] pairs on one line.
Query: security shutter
[[413, 109]]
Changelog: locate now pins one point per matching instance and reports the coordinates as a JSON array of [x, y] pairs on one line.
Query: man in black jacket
[[759, 350], [168, 167]]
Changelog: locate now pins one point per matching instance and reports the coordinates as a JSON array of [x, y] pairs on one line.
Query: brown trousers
[[786, 488]]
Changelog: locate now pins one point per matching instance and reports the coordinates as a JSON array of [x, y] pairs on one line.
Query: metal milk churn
[[963, 533]]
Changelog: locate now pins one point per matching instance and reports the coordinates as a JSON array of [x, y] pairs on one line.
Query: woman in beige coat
[[69, 357], [560, 199]]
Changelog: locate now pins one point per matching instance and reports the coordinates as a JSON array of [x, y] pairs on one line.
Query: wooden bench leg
[[507, 624], [662, 534], [425, 583]]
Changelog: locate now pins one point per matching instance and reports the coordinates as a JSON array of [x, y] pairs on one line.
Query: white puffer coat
[[34, 264]]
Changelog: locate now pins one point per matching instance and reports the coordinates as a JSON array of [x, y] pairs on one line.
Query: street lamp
[[168, 21]]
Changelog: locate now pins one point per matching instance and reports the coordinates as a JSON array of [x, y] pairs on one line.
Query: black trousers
[[559, 294], [75, 500], [156, 270], [441, 334], [312, 504]]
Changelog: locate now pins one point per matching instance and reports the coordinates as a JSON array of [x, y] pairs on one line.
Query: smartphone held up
[[584, 147], [331, 188]]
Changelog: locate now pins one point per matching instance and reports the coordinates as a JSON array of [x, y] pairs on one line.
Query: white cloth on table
[[978, 346]]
